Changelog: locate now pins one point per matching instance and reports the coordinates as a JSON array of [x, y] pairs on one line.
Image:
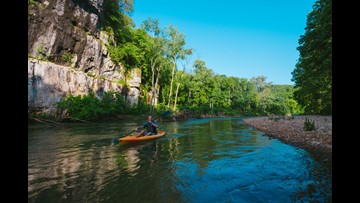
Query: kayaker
[[151, 128]]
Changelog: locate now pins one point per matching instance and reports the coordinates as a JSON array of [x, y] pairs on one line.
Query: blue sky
[[241, 38]]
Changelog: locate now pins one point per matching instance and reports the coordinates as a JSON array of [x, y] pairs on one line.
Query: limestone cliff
[[67, 54]]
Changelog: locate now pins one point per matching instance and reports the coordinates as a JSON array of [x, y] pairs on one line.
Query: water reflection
[[216, 160], [129, 157], [61, 164]]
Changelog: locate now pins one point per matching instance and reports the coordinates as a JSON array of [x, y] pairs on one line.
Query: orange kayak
[[133, 138]]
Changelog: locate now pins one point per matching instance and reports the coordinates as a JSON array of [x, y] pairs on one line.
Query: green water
[[200, 160]]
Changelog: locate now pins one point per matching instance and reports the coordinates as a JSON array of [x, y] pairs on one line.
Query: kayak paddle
[[116, 140]]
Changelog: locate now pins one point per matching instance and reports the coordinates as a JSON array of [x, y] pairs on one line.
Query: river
[[199, 160]]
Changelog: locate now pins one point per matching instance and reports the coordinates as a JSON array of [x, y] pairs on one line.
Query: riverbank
[[290, 130]]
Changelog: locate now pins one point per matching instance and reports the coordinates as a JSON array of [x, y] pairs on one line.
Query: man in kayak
[[151, 128]]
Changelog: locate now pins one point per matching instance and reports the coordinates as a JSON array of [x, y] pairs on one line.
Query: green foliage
[[126, 6], [90, 74], [127, 48], [231, 112], [101, 77], [203, 91], [115, 53], [313, 72], [161, 108], [201, 84], [294, 107], [89, 107], [309, 125], [122, 82], [67, 56], [260, 83], [175, 50], [42, 55], [40, 49], [130, 53], [151, 26], [175, 46], [115, 21], [33, 2], [82, 107], [140, 108], [154, 56]]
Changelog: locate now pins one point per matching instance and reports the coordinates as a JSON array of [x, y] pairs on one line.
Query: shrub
[[309, 125], [67, 56]]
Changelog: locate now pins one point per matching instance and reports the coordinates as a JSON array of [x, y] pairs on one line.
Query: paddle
[[116, 140]]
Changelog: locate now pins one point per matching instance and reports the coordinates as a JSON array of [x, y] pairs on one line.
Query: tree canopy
[[313, 72]]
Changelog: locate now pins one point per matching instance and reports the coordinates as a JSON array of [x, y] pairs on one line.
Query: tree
[[202, 84], [114, 19], [175, 50], [251, 97], [221, 92], [125, 5], [154, 53], [313, 72], [260, 83], [180, 74]]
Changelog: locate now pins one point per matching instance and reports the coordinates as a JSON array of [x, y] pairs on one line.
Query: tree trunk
[[171, 83], [189, 96], [157, 88], [152, 101], [176, 94], [152, 88]]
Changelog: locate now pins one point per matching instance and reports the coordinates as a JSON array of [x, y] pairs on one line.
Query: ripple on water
[[201, 160]]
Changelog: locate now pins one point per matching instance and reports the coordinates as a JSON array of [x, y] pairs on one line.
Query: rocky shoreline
[[290, 130]]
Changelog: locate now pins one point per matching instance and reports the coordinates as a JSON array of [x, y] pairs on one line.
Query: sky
[[241, 38]]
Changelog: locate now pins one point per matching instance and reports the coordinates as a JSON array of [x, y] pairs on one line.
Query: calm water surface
[[200, 160]]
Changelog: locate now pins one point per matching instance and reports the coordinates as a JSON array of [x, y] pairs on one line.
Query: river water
[[199, 160]]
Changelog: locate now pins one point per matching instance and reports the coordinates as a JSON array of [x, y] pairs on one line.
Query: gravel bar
[[290, 130]]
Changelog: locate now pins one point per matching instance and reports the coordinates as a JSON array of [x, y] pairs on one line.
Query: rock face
[[67, 54]]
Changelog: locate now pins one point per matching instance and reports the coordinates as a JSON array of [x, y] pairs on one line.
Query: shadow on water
[[200, 160]]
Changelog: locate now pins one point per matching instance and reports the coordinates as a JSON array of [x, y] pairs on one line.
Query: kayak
[[133, 138]]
